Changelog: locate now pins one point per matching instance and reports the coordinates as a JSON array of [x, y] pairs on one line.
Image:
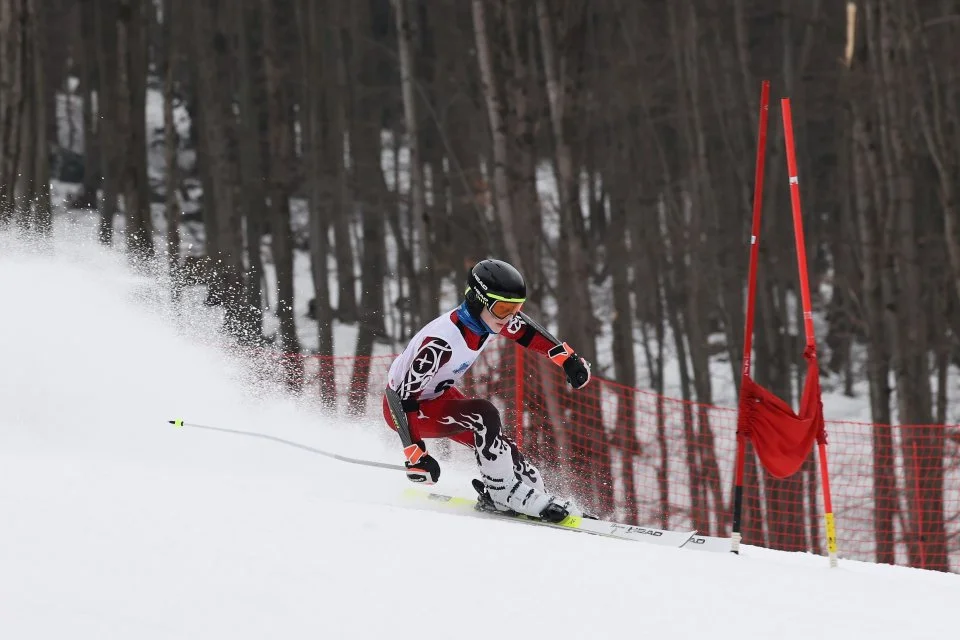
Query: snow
[[118, 525]]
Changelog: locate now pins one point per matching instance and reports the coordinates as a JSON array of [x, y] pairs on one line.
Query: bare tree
[[171, 141], [313, 75], [279, 119], [89, 90], [132, 85], [576, 319], [406, 28], [373, 199], [339, 195], [15, 75], [491, 95], [108, 107], [252, 103], [225, 274]]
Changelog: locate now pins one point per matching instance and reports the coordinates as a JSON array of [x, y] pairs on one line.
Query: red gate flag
[[782, 438]]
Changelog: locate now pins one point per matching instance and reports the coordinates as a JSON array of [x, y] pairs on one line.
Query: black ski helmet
[[496, 285]]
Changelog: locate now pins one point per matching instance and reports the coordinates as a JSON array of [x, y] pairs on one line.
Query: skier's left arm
[[530, 334]]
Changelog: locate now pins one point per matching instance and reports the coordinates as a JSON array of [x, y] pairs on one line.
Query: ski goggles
[[504, 308]]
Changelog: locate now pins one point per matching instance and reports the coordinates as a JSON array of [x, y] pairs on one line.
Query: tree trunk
[[31, 184], [24, 181], [111, 140], [924, 484], [312, 67], [653, 289], [213, 61], [884, 482], [339, 197], [406, 28], [491, 95], [132, 54], [90, 91], [15, 79], [674, 294], [279, 118], [576, 320], [522, 172], [625, 434], [171, 147], [366, 154], [42, 208], [252, 100]]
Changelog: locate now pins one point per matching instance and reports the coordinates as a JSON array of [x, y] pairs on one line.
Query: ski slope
[[117, 525]]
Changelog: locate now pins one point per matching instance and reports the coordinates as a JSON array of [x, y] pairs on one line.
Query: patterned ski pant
[[475, 422]]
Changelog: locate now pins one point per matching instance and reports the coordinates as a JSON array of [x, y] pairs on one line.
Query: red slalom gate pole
[[919, 506], [518, 391], [798, 221], [807, 314], [751, 296]]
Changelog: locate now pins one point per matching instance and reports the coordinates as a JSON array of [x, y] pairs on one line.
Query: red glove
[[421, 466], [576, 368]]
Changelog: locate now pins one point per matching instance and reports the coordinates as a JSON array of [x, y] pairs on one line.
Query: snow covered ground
[[117, 525]]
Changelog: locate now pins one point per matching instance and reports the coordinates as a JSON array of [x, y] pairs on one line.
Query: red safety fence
[[635, 456]]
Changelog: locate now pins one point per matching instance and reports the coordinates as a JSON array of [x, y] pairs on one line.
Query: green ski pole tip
[[176, 423]]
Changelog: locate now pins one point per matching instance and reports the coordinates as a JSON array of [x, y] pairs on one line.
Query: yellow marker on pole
[[831, 538]]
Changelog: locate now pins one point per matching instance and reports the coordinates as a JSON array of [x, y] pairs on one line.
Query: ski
[[713, 544], [605, 528]]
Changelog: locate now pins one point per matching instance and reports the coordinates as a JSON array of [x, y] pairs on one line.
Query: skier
[[422, 400]]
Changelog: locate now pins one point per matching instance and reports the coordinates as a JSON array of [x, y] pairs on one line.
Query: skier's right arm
[[432, 354], [421, 466]]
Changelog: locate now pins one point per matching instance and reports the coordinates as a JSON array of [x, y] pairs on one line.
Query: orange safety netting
[[635, 456]]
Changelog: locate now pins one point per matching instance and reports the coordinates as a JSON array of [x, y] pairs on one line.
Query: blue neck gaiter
[[476, 325]]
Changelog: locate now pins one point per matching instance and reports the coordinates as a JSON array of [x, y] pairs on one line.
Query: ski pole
[[254, 434]]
